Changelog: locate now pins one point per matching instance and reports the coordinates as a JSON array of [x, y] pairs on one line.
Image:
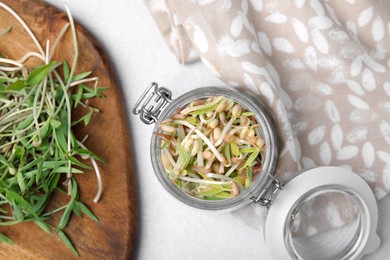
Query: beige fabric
[[321, 68]]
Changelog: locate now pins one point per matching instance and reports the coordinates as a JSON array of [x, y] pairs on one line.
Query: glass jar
[[285, 223]]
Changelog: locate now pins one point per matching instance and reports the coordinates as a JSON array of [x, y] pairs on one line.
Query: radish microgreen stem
[[38, 149]]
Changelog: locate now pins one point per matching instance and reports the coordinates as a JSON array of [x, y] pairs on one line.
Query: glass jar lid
[[324, 213]]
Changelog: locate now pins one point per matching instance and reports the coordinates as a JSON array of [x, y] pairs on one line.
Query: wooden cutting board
[[113, 237]]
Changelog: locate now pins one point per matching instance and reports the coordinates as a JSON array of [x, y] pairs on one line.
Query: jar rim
[[268, 134], [353, 243]]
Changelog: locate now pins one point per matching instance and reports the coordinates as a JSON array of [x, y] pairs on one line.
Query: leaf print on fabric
[[379, 193], [360, 116], [331, 62], [311, 230], [358, 102], [299, 3], [368, 154], [337, 77], [351, 27], [265, 43], [306, 103], [236, 26], [282, 117], [288, 147], [316, 135], [200, 39], [286, 99], [244, 6], [225, 5], [347, 152], [248, 81], [377, 29], [249, 26], [266, 91], [332, 14], [253, 68], [332, 111], [298, 150], [365, 16], [325, 153], [384, 156], [338, 35], [300, 126], [333, 215], [357, 134], [355, 87], [241, 21], [320, 22], [293, 147], [368, 80], [384, 129], [372, 64], [386, 87], [295, 84], [368, 175], [356, 66], [255, 47], [273, 73], [300, 30], [386, 177], [337, 136], [379, 53], [322, 88], [277, 18], [257, 5], [294, 63], [317, 7], [227, 46], [282, 44], [385, 106], [311, 58], [307, 162], [204, 2], [319, 41]]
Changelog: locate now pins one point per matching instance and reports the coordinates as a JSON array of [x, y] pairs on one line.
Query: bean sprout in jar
[[212, 149]]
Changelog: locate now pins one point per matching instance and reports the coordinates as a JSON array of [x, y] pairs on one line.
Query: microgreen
[[210, 148], [39, 152], [4, 238]]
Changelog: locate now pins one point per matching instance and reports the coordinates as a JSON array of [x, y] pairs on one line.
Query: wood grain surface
[[113, 237]]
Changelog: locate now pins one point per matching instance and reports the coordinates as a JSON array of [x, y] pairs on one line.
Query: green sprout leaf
[[40, 73], [87, 211], [5, 239], [67, 241], [251, 158]]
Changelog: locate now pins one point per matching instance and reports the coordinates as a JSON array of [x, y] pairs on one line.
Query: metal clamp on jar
[[288, 204]]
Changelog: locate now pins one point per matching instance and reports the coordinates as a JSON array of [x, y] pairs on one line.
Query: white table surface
[[169, 229]]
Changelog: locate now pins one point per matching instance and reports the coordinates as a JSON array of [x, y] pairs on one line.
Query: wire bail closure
[[152, 103], [269, 192]]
